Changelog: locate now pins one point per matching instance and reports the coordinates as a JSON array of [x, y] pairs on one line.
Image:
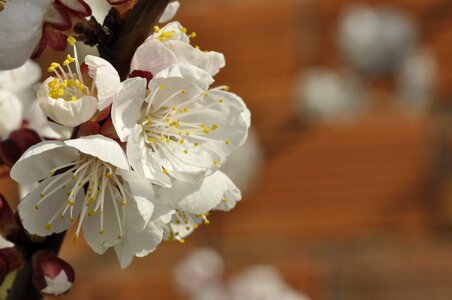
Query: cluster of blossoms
[[145, 164]]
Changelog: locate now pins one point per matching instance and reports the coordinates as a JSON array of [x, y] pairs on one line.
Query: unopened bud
[[52, 275]]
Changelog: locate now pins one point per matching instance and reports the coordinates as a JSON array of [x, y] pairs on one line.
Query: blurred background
[[347, 177]]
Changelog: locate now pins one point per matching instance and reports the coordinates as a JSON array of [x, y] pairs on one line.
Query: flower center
[[68, 84], [183, 223], [99, 182], [163, 125]]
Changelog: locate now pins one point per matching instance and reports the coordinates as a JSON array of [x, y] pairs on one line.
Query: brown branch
[[135, 28]]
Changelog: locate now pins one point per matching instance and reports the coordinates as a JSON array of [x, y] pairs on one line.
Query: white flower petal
[[152, 56], [127, 106], [11, 113], [200, 197], [22, 78], [112, 234], [143, 195], [4, 243], [35, 220], [68, 113], [37, 162], [20, 31], [170, 11], [209, 61], [106, 79], [58, 285], [143, 160], [103, 148], [138, 244]]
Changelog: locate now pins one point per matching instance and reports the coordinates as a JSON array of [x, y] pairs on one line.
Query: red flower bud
[[51, 275]]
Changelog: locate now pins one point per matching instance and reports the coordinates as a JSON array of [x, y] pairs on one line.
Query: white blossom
[[111, 206], [181, 129], [11, 113], [170, 45], [193, 201], [375, 40], [67, 99]]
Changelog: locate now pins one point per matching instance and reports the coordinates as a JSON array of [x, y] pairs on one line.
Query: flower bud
[[51, 275]]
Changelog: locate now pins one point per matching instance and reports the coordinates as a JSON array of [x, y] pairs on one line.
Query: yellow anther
[[197, 47], [161, 87], [72, 219], [183, 30], [206, 94], [182, 141], [60, 92], [226, 88], [187, 133], [91, 213], [101, 232], [70, 58], [124, 202], [71, 40], [196, 144], [51, 69], [168, 120], [193, 34], [156, 28], [224, 200], [75, 237], [48, 226], [152, 140], [186, 151], [214, 127], [42, 195], [227, 142], [55, 65], [196, 226], [181, 241], [62, 217], [221, 100], [184, 91], [36, 206], [165, 171], [216, 162], [168, 141]]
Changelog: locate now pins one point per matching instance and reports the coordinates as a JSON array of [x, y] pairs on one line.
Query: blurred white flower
[[27, 27], [416, 82], [243, 166], [65, 97], [375, 40], [200, 275], [202, 268], [114, 201], [181, 129], [170, 45], [21, 24], [262, 283], [324, 96], [11, 112]]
